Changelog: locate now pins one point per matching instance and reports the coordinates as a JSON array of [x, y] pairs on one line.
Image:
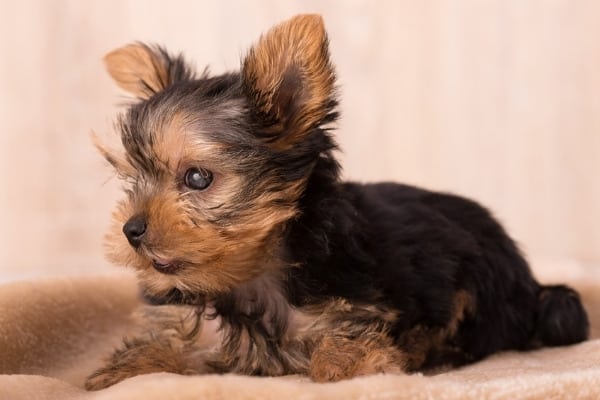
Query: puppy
[[234, 208]]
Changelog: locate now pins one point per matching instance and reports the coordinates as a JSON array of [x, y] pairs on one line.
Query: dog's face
[[214, 166]]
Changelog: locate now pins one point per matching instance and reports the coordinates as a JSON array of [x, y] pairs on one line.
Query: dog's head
[[214, 166]]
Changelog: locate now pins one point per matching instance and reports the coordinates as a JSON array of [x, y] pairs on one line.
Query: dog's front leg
[[147, 355], [347, 340], [171, 342], [337, 357]]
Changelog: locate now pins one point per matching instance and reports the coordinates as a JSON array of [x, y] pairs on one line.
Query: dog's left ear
[[144, 70], [290, 81]]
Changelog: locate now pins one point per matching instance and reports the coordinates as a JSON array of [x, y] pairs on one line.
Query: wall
[[497, 100]]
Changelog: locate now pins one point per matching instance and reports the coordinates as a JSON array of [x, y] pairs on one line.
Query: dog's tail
[[562, 320]]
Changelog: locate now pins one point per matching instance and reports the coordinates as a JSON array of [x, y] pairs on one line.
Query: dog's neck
[[267, 297], [260, 300], [326, 218], [327, 241]]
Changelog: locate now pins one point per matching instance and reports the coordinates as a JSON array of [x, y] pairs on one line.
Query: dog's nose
[[134, 230]]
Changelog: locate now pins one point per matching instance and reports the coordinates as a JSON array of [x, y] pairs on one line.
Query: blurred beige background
[[494, 99]]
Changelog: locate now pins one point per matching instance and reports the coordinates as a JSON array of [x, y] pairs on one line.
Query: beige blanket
[[53, 333]]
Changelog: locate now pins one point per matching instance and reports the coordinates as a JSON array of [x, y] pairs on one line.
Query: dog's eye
[[198, 178]]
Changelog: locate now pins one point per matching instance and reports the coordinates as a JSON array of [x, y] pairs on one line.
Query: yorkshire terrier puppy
[[234, 209]]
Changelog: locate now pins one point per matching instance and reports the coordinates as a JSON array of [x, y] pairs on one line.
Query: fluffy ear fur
[[144, 70], [114, 157], [289, 79]]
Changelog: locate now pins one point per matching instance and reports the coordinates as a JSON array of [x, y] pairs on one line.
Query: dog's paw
[[337, 358], [329, 372]]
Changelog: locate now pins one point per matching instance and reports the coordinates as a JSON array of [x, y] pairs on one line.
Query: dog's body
[[236, 209]]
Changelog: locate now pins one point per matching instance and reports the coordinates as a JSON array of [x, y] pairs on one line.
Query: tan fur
[[215, 257], [338, 357], [420, 340], [323, 341], [137, 69], [151, 356], [463, 304], [291, 53], [173, 141], [115, 158], [168, 341], [341, 345]]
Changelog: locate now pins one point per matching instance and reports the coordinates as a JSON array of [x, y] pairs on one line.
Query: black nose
[[135, 229]]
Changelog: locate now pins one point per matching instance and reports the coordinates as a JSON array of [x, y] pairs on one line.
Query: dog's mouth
[[168, 267]]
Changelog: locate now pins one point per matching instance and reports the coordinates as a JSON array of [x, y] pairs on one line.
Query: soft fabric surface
[[54, 333]]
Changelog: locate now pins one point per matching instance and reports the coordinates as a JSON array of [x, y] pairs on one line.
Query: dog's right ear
[[288, 78], [144, 70]]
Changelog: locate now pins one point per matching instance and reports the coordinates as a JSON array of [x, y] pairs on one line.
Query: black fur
[[412, 250]]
